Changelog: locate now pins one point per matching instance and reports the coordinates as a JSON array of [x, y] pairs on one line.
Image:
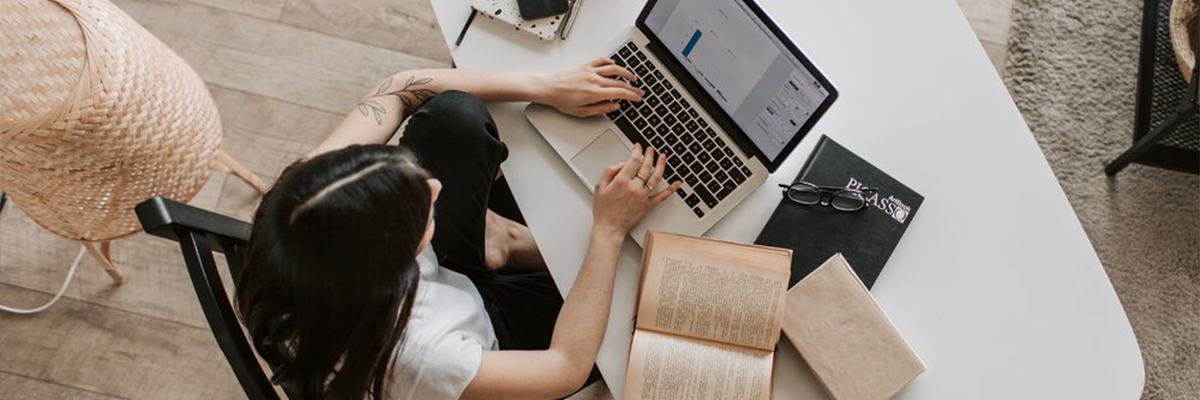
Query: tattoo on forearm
[[411, 96]]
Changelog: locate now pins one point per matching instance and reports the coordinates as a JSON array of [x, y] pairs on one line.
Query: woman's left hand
[[589, 89]]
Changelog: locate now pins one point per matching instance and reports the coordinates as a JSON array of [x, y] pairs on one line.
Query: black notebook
[[866, 237]]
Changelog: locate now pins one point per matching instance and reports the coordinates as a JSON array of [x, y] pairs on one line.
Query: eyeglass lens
[[806, 195], [848, 201]]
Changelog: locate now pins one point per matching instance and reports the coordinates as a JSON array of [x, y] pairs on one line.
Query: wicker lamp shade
[[1184, 34], [96, 115]]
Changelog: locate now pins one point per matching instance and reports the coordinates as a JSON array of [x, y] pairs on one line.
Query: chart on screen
[[711, 40]]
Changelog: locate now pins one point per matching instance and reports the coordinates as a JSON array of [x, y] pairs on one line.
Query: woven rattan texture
[[98, 115], [1168, 89], [36, 79], [1183, 34]]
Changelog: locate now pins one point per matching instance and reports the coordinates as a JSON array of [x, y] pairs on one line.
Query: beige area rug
[[1072, 69]]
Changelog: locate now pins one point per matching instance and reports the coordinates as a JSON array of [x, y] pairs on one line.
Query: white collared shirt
[[445, 337]]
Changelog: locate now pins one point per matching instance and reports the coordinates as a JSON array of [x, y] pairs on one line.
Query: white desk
[[995, 284]]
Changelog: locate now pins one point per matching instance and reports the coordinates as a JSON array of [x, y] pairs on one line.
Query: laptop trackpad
[[606, 150]]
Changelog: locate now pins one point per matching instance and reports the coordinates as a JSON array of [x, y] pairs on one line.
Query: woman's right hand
[[590, 89], [625, 192]]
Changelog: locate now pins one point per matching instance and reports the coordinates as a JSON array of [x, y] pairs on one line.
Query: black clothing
[[455, 139]]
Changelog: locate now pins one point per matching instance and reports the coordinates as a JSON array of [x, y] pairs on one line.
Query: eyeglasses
[[840, 198]]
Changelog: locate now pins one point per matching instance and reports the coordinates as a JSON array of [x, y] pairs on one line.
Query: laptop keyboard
[[665, 121]]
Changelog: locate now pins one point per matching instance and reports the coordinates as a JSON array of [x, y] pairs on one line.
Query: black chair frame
[[200, 233]]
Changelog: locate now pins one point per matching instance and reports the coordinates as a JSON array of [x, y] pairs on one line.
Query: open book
[[708, 318]]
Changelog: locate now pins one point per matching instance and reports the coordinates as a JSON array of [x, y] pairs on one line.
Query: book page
[[720, 291], [663, 367]]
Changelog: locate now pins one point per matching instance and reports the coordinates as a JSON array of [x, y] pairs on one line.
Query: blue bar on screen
[[691, 43]]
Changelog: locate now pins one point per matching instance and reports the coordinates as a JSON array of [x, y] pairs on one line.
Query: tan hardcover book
[[708, 319], [844, 336]]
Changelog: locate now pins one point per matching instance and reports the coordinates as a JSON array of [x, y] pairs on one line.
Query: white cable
[[61, 290]]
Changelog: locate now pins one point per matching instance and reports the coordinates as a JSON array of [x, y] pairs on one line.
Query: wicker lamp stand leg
[[103, 255], [103, 252], [241, 171]]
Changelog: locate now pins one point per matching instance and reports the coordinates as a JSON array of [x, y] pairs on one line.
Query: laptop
[[728, 97]]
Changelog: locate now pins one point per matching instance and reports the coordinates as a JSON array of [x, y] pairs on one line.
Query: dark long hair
[[331, 275]]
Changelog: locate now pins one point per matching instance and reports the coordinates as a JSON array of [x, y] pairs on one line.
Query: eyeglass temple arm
[[863, 189]]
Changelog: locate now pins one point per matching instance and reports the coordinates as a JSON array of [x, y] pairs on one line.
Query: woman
[[350, 292]]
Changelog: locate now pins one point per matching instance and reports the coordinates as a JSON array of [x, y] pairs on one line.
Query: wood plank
[[271, 59], [990, 19], [267, 156], [269, 10], [245, 114], [156, 281], [266, 136], [20, 387], [405, 25], [998, 53], [99, 349]]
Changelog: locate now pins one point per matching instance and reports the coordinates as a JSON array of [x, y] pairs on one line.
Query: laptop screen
[[748, 70]]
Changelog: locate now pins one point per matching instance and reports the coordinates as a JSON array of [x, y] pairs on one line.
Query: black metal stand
[[1161, 95], [1, 201], [1188, 107]]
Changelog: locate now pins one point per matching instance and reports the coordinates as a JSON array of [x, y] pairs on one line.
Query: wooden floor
[[282, 72]]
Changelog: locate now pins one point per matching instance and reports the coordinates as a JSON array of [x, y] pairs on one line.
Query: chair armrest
[[162, 217]]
